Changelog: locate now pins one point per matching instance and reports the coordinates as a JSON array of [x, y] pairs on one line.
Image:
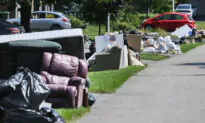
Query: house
[[200, 5]]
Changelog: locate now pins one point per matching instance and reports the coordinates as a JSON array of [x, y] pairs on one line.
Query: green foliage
[[200, 25], [153, 56], [128, 21], [110, 80], [117, 26], [72, 114], [143, 16], [158, 30], [75, 22], [160, 6]]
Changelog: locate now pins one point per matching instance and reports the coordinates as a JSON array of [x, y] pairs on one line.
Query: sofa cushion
[[83, 68], [64, 65], [46, 61], [33, 45], [54, 79]]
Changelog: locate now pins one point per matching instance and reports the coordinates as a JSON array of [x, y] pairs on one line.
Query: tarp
[[183, 31]]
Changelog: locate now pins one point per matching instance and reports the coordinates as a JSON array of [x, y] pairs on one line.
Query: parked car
[[46, 20], [8, 28], [169, 21], [187, 9]]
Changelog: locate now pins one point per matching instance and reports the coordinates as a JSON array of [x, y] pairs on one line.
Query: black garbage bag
[[91, 99], [22, 115], [3, 114], [51, 115], [24, 89]]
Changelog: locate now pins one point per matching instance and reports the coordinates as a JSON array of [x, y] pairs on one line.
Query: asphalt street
[[168, 91]]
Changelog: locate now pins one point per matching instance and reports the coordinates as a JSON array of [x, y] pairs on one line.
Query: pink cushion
[[54, 79], [83, 68], [64, 65], [46, 60]]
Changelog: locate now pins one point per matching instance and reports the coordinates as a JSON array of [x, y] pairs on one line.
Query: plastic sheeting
[[24, 89]]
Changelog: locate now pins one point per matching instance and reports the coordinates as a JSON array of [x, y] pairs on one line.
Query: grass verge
[[200, 24], [93, 30], [187, 47], [153, 56], [110, 80], [70, 115]]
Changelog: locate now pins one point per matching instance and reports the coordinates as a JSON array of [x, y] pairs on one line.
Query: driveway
[[169, 91]]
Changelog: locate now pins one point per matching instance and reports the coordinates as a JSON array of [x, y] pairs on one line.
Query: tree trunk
[[25, 15], [99, 27]]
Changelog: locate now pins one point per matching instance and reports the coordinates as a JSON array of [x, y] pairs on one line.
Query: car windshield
[[63, 15], [190, 18], [183, 7], [184, 11]]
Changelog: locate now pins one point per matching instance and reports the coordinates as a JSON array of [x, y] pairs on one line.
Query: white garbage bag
[[162, 44], [172, 46], [149, 50], [169, 43]]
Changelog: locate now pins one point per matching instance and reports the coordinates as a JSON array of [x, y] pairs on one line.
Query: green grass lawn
[[70, 115], [200, 25], [93, 30], [187, 47], [153, 56], [110, 80]]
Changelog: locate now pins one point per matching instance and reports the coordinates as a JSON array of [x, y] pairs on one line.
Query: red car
[[169, 21]]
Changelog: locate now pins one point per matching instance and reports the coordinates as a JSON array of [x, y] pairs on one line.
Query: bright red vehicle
[[169, 21]]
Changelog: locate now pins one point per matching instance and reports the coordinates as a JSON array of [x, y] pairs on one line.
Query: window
[[37, 15], [176, 17], [190, 18], [34, 16], [41, 15], [50, 15], [165, 17], [184, 7]]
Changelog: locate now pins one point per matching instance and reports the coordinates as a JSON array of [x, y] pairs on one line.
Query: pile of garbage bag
[[162, 45], [20, 98]]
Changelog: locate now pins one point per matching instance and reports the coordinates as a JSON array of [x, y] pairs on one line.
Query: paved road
[[169, 91]]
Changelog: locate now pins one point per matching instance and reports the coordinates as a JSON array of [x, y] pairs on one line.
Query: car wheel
[[148, 27], [55, 27]]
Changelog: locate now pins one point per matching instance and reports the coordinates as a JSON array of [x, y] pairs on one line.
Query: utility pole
[[32, 6], [173, 6], [108, 22], [147, 8]]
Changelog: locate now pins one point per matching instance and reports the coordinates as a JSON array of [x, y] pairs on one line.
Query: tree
[[97, 10], [160, 6]]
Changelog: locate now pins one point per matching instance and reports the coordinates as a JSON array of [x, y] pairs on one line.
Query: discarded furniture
[[71, 40], [107, 61], [66, 76], [20, 53], [134, 41]]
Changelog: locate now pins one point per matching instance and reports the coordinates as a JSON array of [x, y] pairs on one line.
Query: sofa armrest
[[54, 79], [76, 81]]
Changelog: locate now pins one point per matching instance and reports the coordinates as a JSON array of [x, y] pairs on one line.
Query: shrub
[[158, 30], [117, 26], [75, 22], [143, 16]]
